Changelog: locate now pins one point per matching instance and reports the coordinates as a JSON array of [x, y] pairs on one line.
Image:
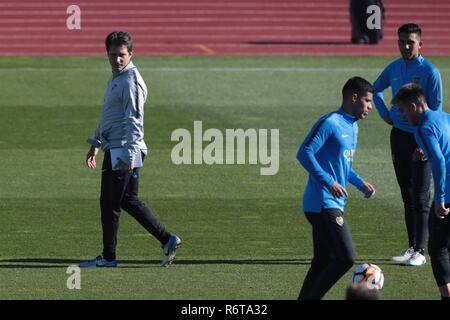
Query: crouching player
[[432, 134]]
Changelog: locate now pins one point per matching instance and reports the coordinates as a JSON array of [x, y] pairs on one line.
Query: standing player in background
[[360, 11], [432, 133], [411, 167], [327, 154], [120, 135]]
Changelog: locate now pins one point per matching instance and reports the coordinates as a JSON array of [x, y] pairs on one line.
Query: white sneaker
[[416, 260], [404, 256]]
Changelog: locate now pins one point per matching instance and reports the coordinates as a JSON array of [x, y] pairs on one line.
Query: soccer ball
[[370, 274]]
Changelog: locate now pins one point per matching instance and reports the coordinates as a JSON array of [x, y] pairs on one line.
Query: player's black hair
[[357, 85], [119, 38], [410, 28], [410, 92], [361, 292]]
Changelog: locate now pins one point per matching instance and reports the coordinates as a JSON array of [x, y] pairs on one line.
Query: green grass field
[[244, 234]]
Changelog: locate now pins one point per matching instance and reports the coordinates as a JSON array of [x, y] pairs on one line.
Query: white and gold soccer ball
[[369, 274]]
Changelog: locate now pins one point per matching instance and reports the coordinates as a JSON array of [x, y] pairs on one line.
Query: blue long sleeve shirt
[[327, 155], [400, 72], [433, 136]]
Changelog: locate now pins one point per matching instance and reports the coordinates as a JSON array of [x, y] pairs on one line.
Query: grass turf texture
[[244, 236]]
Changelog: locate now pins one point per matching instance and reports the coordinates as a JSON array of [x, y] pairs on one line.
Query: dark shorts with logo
[[332, 238]]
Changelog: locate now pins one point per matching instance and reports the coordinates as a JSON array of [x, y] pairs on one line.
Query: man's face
[[362, 105], [119, 57], [407, 110], [409, 45]]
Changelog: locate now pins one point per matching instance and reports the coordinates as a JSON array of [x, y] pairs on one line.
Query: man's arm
[[95, 143], [434, 91], [430, 145], [381, 84], [95, 139], [439, 174], [306, 154], [133, 103], [360, 184], [90, 157]]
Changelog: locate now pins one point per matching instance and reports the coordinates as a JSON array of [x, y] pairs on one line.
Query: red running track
[[205, 27]]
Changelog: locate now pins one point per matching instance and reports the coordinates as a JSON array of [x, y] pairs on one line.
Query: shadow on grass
[[37, 263], [43, 263]]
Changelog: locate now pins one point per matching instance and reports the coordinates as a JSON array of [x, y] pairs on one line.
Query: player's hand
[[367, 189], [124, 167], [440, 210], [419, 155], [338, 191], [90, 157]]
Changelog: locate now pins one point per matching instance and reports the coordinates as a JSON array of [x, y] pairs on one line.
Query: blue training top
[[327, 155], [401, 72], [433, 136]]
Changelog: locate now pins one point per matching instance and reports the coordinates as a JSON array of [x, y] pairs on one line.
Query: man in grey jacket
[[120, 135]]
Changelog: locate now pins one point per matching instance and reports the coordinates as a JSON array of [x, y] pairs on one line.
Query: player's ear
[[354, 97]]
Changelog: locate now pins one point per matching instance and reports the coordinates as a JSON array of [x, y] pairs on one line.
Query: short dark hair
[[361, 292], [410, 28], [357, 85], [410, 92], [119, 38]]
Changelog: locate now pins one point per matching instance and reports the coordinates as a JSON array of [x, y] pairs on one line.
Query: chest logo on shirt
[[340, 221], [348, 155]]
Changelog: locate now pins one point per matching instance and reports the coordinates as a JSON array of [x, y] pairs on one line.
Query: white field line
[[202, 69]]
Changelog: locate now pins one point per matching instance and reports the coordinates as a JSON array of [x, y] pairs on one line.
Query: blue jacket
[[327, 154], [401, 72], [433, 136]]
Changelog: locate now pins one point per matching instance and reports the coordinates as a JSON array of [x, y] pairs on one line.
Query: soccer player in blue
[[327, 154], [411, 168], [432, 133]]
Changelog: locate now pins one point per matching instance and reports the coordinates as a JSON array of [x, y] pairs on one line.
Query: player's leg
[[438, 247], [112, 189], [339, 241], [321, 255], [402, 147], [140, 211], [421, 193]]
